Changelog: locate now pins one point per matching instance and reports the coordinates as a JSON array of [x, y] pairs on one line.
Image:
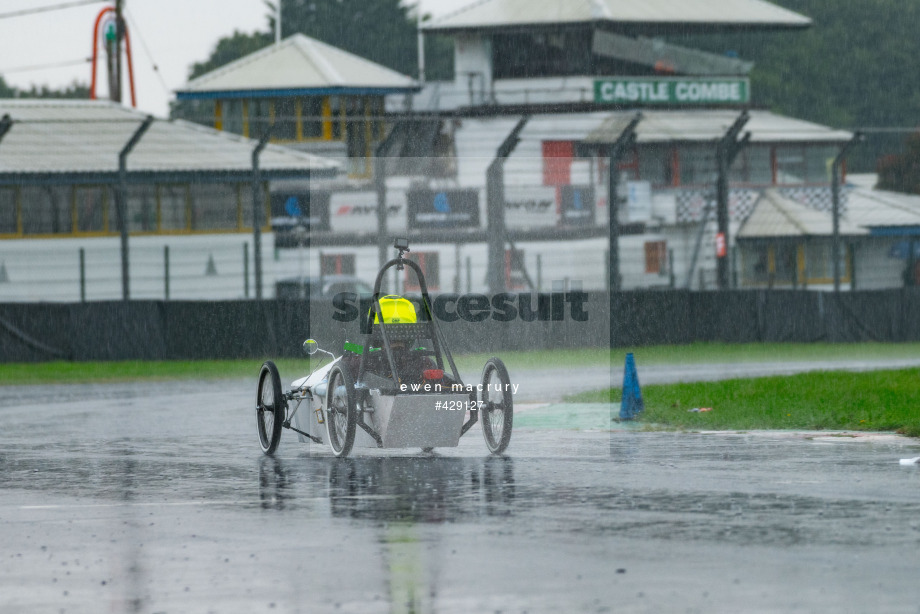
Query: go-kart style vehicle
[[393, 391]]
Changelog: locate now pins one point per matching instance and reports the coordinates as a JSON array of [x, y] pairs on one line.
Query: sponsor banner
[[672, 91], [530, 207], [357, 212], [291, 209], [638, 201], [578, 205], [455, 208]]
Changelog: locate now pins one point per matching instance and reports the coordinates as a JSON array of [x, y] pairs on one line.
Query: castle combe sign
[[672, 91]]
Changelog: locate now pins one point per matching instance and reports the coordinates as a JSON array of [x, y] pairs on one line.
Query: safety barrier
[[158, 330]]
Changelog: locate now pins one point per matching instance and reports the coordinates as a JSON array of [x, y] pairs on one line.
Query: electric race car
[[399, 389]]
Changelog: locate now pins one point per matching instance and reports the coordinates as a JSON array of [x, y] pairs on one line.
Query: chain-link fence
[[501, 204]]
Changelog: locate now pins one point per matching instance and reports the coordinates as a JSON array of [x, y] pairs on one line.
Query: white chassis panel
[[403, 421], [412, 420]]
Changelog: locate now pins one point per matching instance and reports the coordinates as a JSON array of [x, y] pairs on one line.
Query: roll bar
[[400, 262]]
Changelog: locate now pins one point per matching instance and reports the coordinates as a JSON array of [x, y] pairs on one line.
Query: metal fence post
[[671, 275], [5, 124], [851, 254], [121, 197], [457, 269], [495, 207], [246, 270], [727, 149], [166, 272], [257, 217], [835, 200], [625, 140], [734, 256], [380, 186], [539, 272], [82, 275], [909, 280]]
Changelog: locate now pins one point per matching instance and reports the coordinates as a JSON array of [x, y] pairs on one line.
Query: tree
[[379, 30], [5, 90], [851, 69], [231, 48], [383, 31], [901, 172], [74, 90]]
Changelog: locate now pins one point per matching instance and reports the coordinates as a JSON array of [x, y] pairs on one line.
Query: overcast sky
[[173, 34]]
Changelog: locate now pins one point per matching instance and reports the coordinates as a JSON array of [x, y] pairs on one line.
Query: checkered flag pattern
[[691, 203]]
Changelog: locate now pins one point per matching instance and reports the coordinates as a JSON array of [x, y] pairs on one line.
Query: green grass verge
[[128, 370], [291, 368], [696, 353], [871, 401]]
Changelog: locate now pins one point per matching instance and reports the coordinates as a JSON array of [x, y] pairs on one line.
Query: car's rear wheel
[[270, 408], [341, 411], [496, 407]]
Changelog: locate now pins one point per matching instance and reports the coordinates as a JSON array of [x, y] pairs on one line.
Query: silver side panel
[[405, 421], [413, 420]]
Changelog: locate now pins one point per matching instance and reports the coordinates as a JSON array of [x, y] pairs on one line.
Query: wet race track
[[156, 498]]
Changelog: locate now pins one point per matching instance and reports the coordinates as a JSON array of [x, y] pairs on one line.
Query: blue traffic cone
[[631, 405]]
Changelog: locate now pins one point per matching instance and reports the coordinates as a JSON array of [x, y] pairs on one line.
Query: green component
[[673, 91], [354, 347]]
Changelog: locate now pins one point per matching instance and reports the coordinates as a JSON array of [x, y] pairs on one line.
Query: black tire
[[496, 407], [341, 411], [271, 407]]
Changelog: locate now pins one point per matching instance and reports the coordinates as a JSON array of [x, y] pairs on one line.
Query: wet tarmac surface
[[155, 498]]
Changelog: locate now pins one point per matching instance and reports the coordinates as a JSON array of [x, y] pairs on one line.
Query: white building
[[579, 70], [188, 189], [582, 71], [889, 257]]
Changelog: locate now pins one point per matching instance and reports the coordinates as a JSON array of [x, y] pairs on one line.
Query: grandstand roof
[[776, 216], [685, 14], [80, 141], [298, 65]]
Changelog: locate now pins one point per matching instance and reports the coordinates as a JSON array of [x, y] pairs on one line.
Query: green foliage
[[379, 30], [74, 90], [231, 48], [853, 68], [439, 58], [696, 353], [5, 90], [901, 172], [383, 31]]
